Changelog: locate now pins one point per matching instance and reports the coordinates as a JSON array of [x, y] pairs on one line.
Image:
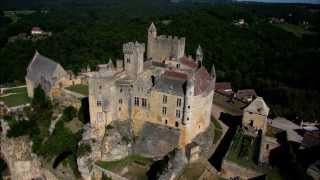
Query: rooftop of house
[[223, 86], [258, 106], [246, 93]]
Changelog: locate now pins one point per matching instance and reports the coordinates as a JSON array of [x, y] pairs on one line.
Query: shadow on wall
[[84, 114], [286, 158], [232, 122]]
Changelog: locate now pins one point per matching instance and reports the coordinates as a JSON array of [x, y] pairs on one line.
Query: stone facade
[[50, 76], [175, 91], [255, 115], [164, 47]]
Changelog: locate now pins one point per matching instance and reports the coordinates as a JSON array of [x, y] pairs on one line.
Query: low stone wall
[[98, 171], [69, 98], [230, 170]]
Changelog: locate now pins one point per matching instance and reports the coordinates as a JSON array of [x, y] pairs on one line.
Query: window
[[164, 99], [99, 103], [178, 66], [119, 108], [188, 107], [100, 87], [267, 146], [128, 60], [120, 101], [164, 110], [178, 113], [120, 90], [144, 102], [136, 101], [166, 121], [177, 124], [179, 102]]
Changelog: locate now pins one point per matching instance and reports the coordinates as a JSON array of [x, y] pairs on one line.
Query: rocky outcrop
[[117, 141], [22, 163], [177, 162], [156, 141]]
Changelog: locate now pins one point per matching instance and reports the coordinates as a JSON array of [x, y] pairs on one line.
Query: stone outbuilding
[[255, 115], [47, 73]]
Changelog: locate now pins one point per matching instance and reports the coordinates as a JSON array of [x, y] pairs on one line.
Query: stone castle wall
[[164, 47]]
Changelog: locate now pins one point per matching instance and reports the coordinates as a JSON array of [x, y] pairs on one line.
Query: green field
[[217, 130], [14, 15], [292, 28], [80, 88], [19, 97], [242, 149]]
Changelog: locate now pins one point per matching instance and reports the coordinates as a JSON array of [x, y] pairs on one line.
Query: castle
[[167, 88]]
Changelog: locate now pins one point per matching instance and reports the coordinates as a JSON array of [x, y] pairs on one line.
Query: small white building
[[36, 31]]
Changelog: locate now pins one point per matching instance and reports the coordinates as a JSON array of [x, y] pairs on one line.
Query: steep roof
[[203, 81], [258, 106], [43, 67], [188, 62]]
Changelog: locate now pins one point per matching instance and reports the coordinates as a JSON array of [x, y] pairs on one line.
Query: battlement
[[170, 38], [131, 47]]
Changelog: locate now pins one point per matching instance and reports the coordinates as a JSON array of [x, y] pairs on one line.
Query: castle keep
[[168, 88]]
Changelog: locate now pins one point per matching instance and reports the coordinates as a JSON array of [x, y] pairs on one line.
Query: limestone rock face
[[22, 163], [114, 147], [156, 141], [86, 160], [116, 143], [176, 164]]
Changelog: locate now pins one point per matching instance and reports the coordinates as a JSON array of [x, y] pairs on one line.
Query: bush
[[69, 113]]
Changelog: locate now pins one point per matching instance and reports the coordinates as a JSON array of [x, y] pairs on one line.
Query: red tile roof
[[175, 74], [245, 93], [188, 62], [223, 86], [203, 81]]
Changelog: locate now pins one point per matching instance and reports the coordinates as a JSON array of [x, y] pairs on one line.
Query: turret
[[152, 31], [152, 35], [133, 58], [199, 55]]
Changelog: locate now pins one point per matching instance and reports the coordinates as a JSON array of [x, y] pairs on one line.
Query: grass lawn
[[13, 15], [241, 150], [119, 164], [17, 90], [295, 29], [79, 88], [217, 130], [193, 171], [20, 98]]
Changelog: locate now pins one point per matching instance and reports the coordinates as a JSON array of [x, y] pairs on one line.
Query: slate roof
[[171, 84], [42, 67]]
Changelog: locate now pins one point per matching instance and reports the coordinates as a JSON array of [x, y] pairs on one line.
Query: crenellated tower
[[133, 58], [152, 35]]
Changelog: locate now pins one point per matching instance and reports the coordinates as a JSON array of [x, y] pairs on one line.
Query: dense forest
[[280, 61]]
